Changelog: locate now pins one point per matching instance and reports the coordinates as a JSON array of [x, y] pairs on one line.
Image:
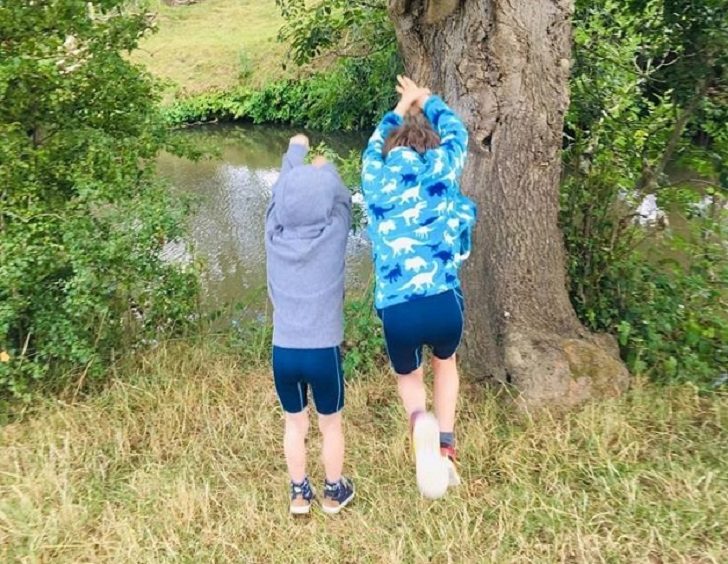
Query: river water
[[232, 191]]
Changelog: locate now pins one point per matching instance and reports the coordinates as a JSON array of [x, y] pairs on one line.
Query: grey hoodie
[[306, 229]]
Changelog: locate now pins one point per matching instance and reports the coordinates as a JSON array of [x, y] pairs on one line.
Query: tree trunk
[[504, 66]]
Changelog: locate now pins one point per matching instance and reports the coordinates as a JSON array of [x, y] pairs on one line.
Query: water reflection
[[233, 190]]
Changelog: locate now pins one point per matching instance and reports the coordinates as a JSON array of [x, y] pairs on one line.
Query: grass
[[180, 461], [204, 46]]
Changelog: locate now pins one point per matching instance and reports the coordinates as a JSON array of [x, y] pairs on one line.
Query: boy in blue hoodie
[[307, 224], [419, 225]]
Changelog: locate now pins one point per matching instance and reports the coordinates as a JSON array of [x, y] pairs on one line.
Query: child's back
[[307, 225]]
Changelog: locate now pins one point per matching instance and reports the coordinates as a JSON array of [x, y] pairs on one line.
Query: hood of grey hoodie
[[305, 201]]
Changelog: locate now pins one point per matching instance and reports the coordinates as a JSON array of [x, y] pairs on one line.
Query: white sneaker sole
[[300, 509], [335, 510], [432, 471]]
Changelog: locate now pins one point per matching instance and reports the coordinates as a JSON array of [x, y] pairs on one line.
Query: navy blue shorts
[[435, 321], [294, 370]]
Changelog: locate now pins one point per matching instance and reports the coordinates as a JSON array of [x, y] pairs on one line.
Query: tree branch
[[650, 174]]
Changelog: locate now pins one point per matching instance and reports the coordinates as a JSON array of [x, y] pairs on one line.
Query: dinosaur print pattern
[[423, 231], [394, 274], [437, 189], [387, 226], [444, 256], [407, 196], [421, 281], [412, 214], [402, 245], [380, 211], [419, 222], [415, 263]]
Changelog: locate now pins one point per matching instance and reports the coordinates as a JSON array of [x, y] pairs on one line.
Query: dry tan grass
[[181, 461]]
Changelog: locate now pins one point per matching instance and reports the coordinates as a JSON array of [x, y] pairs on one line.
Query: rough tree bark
[[504, 66]]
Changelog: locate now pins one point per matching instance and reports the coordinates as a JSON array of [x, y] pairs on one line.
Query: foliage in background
[[640, 86], [353, 42], [348, 97], [344, 29], [201, 46], [82, 218]]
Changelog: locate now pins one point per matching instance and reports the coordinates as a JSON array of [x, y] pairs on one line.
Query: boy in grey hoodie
[[307, 224]]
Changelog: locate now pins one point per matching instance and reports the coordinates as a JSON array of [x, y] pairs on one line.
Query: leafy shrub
[[662, 291], [353, 95], [82, 218], [363, 336]]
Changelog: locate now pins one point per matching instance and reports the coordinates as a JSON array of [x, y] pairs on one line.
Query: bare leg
[[447, 384], [412, 391], [332, 450], [294, 444]]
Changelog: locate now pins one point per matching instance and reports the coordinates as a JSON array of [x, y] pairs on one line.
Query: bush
[[661, 290], [363, 336], [353, 95], [82, 218]]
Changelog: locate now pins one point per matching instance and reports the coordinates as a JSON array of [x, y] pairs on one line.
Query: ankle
[[300, 482], [447, 439], [332, 483]]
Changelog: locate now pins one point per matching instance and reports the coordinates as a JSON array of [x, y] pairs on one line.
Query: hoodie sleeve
[[373, 160], [294, 157], [453, 134]]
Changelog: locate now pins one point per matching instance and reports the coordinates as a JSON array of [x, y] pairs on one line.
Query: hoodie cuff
[[432, 106], [392, 119]]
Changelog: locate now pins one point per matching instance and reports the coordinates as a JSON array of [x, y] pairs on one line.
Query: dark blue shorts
[[294, 370], [435, 321]]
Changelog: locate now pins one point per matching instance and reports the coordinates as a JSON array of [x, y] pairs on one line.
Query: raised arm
[[296, 153], [452, 132]]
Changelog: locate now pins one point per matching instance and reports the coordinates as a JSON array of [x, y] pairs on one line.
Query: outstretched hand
[[411, 95], [300, 139]]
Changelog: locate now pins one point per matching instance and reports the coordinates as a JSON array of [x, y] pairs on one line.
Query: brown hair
[[416, 133]]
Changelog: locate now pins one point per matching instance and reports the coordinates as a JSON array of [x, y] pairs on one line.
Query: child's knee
[[417, 375], [330, 423], [438, 363], [298, 422]]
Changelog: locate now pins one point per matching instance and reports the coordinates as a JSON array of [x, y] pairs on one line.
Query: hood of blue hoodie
[[410, 161]]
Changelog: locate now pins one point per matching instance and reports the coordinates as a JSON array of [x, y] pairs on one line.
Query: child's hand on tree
[[410, 95]]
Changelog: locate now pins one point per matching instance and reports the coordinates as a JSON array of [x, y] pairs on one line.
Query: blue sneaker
[[301, 496], [337, 496]]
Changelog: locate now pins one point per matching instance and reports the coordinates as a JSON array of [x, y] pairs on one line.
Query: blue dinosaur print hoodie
[[419, 222]]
